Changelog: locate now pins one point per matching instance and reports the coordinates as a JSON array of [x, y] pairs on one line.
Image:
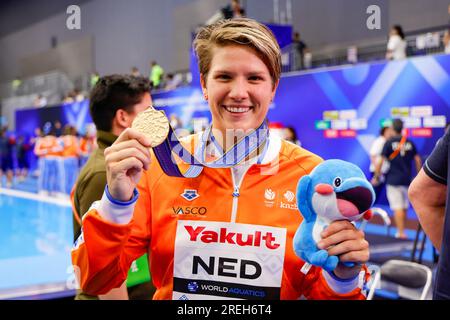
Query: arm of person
[[418, 163], [343, 240], [38, 150], [117, 229], [377, 173], [89, 191], [114, 234], [446, 38], [120, 293], [92, 190], [428, 199], [392, 45], [428, 190]]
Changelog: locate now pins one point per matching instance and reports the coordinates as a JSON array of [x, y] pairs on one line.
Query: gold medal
[[154, 124]]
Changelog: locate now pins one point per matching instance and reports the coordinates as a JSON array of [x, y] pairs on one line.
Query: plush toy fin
[[303, 193], [321, 259], [331, 263], [317, 258]]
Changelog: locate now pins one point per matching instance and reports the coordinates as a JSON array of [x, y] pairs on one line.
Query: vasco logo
[[190, 210]]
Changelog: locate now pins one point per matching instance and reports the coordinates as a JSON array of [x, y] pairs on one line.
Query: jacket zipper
[[236, 193]]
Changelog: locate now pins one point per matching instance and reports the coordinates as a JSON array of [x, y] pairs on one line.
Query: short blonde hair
[[240, 31]]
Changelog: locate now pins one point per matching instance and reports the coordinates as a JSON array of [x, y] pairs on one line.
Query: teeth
[[237, 110]]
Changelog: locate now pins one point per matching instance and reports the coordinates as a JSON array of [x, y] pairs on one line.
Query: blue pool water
[[35, 242]]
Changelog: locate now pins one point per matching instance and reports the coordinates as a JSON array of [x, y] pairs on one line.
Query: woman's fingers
[[361, 256], [123, 154], [348, 246], [117, 146], [130, 134], [341, 238], [127, 164]]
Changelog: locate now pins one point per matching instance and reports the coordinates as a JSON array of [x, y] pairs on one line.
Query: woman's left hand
[[342, 239]]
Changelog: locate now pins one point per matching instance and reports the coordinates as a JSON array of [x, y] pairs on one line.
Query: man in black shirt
[[428, 193], [233, 10], [400, 152], [300, 48], [6, 161]]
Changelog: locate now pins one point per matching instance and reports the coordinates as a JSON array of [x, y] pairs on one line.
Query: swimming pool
[[35, 241]]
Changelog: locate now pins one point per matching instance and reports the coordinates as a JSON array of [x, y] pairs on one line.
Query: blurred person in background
[[446, 41], [290, 135], [396, 47], [300, 49], [94, 78], [375, 153], [49, 150], [87, 145], [40, 101], [79, 96], [172, 82], [400, 152], [233, 10], [6, 157], [15, 85], [114, 103], [69, 98], [135, 72], [70, 154], [57, 128], [87, 142], [156, 75], [37, 134], [447, 35], [175, 121], [23, 165]]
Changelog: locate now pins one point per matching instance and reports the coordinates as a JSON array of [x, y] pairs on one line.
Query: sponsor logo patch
[[192, 286], [269, 195], [190, 194], [289, 196], [201, 211]]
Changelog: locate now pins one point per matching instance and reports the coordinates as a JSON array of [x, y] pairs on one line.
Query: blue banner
[[76, 114], [336, 114]]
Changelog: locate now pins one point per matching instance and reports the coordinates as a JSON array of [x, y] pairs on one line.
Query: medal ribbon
[[247, 146]]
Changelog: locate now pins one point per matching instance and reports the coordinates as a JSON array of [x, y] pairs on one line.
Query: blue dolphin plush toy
[[334, 190]]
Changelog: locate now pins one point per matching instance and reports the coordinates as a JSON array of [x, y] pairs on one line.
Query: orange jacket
[[70, 145], [211, 236], [87, 145], [48, 146]]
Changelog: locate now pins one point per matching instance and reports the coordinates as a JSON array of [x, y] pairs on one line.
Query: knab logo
[[289, 196], [288, 202]]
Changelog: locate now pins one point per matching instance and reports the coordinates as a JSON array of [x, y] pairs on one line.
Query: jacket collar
[[105, 139]]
